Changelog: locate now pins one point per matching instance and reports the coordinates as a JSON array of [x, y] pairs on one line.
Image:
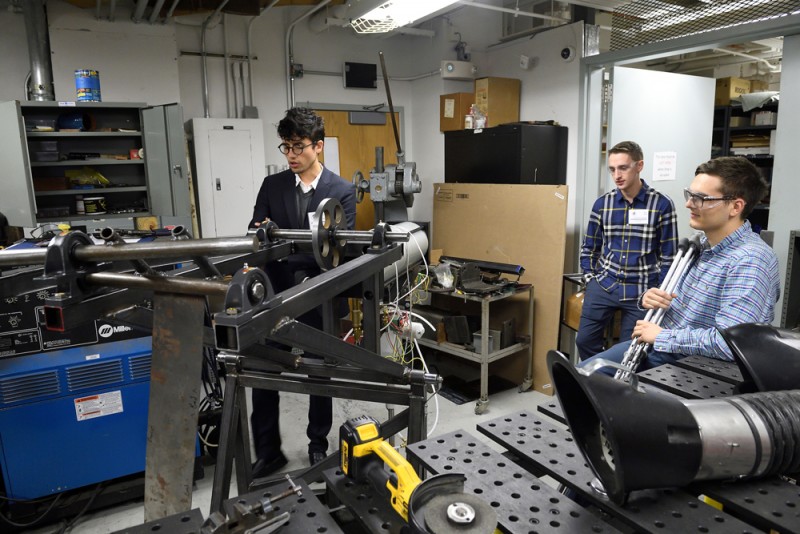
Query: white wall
[[143, 63]]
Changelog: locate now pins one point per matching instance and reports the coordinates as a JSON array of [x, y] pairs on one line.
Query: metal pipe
[[38, 50], [769, 65], [168, 249], [512, 11], [156, 11], [227, 63], [290, 53], [351, 236], [203, 64], [138, 11], [171, 9], [112, 238], [249, 40], [97, 10], [111, 7], [162, 284], [11, 258]]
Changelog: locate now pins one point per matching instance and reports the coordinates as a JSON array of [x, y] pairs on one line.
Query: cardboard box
[[757, 86], [452, 110], [730, 88], [498, 98], [463, 210], [764, 118]]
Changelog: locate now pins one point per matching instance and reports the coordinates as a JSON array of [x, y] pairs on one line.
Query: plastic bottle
[[80, 207]]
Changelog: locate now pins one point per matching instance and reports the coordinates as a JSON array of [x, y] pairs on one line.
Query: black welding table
[[536, 445]]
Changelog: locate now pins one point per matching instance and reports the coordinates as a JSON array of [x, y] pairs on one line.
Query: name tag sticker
[[637, 216]]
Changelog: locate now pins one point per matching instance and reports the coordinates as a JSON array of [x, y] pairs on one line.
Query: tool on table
[[437, 505]]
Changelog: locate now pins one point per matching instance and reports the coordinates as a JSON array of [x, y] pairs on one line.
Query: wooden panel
[[357, 144], [519, 224]]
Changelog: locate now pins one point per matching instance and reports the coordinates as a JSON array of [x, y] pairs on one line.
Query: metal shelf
[[90, 217], [83, 134], [86, 162], [99, 191], [482, 355]]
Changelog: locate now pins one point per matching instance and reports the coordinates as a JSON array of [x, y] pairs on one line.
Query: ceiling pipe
[[249, 42], [40, 86], [770, 66], [511, 11], [171, 9], [156, 11], [138, 11], [203, 62], [290, 52]]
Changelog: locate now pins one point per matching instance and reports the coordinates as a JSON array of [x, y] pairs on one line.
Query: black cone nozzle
[[768, 357], [631, 440]]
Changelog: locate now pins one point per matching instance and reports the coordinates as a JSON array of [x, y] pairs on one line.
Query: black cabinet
[[508, 154]]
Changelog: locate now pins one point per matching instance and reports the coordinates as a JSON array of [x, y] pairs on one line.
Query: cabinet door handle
[[176, 169], [219, 184]]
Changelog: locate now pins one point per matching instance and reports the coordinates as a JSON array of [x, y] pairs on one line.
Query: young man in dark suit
[[287, 198]]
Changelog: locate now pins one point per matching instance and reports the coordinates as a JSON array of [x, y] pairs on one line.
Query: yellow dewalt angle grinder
[[437, 505]]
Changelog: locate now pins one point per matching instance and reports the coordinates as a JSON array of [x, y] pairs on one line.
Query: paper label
[[449, 108], [98, 405], [637, 216]]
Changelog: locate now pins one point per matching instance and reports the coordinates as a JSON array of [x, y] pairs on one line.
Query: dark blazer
[[277, 201]]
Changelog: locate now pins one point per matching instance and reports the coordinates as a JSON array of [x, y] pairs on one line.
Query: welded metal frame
[[359, 375], [71, 264]]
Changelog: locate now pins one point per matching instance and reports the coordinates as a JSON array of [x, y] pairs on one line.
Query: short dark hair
[[301, 123], [740, 179], [628, 147]]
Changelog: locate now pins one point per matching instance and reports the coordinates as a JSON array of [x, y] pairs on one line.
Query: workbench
[[538, 444]]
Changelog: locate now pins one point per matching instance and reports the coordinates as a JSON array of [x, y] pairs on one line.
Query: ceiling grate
[[651, 21]]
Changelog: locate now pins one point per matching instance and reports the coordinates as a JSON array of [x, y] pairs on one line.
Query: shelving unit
[[483, 356], [138, 149], [732, 122]]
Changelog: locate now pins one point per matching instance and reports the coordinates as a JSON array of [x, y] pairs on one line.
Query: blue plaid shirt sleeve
[[742, 289], [667, 235], [592, 246]]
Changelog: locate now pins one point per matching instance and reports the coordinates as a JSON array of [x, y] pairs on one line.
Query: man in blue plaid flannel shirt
[[629, 245]]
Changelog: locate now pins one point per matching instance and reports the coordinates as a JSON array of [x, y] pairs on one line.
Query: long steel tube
[[168, 249], [165, 284], [351, 236], [217, 246]]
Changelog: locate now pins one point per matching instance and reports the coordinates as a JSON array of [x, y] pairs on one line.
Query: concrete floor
[[294, 409]]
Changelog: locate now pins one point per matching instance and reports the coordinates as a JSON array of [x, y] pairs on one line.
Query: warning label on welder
[[98, 405]]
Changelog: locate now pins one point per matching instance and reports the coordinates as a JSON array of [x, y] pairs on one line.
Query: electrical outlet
[[524, 62]]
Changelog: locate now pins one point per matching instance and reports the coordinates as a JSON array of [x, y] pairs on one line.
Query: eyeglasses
[[297, 148], [622, 168], [697, 200]]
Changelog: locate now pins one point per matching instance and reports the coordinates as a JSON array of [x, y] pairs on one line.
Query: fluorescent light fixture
[[395, 13]]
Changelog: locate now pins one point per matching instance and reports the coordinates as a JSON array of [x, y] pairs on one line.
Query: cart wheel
[[526, 385]]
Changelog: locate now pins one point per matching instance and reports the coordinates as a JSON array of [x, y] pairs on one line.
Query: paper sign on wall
[[664, 166], [330, 152]]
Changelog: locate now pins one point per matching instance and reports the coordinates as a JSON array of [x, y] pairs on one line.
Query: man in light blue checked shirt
[[629, 245], [733, 281]]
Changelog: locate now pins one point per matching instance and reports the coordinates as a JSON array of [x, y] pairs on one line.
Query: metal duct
[[41, 82]]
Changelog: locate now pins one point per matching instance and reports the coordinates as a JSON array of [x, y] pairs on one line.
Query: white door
[[665, 113]]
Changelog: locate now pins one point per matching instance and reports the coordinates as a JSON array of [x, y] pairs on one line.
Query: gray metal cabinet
[[49, 150]]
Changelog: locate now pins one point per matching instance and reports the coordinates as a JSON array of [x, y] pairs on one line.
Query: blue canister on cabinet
[[87, 85]]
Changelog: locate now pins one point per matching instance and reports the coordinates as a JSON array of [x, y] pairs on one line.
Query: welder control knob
[[461, 513]]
